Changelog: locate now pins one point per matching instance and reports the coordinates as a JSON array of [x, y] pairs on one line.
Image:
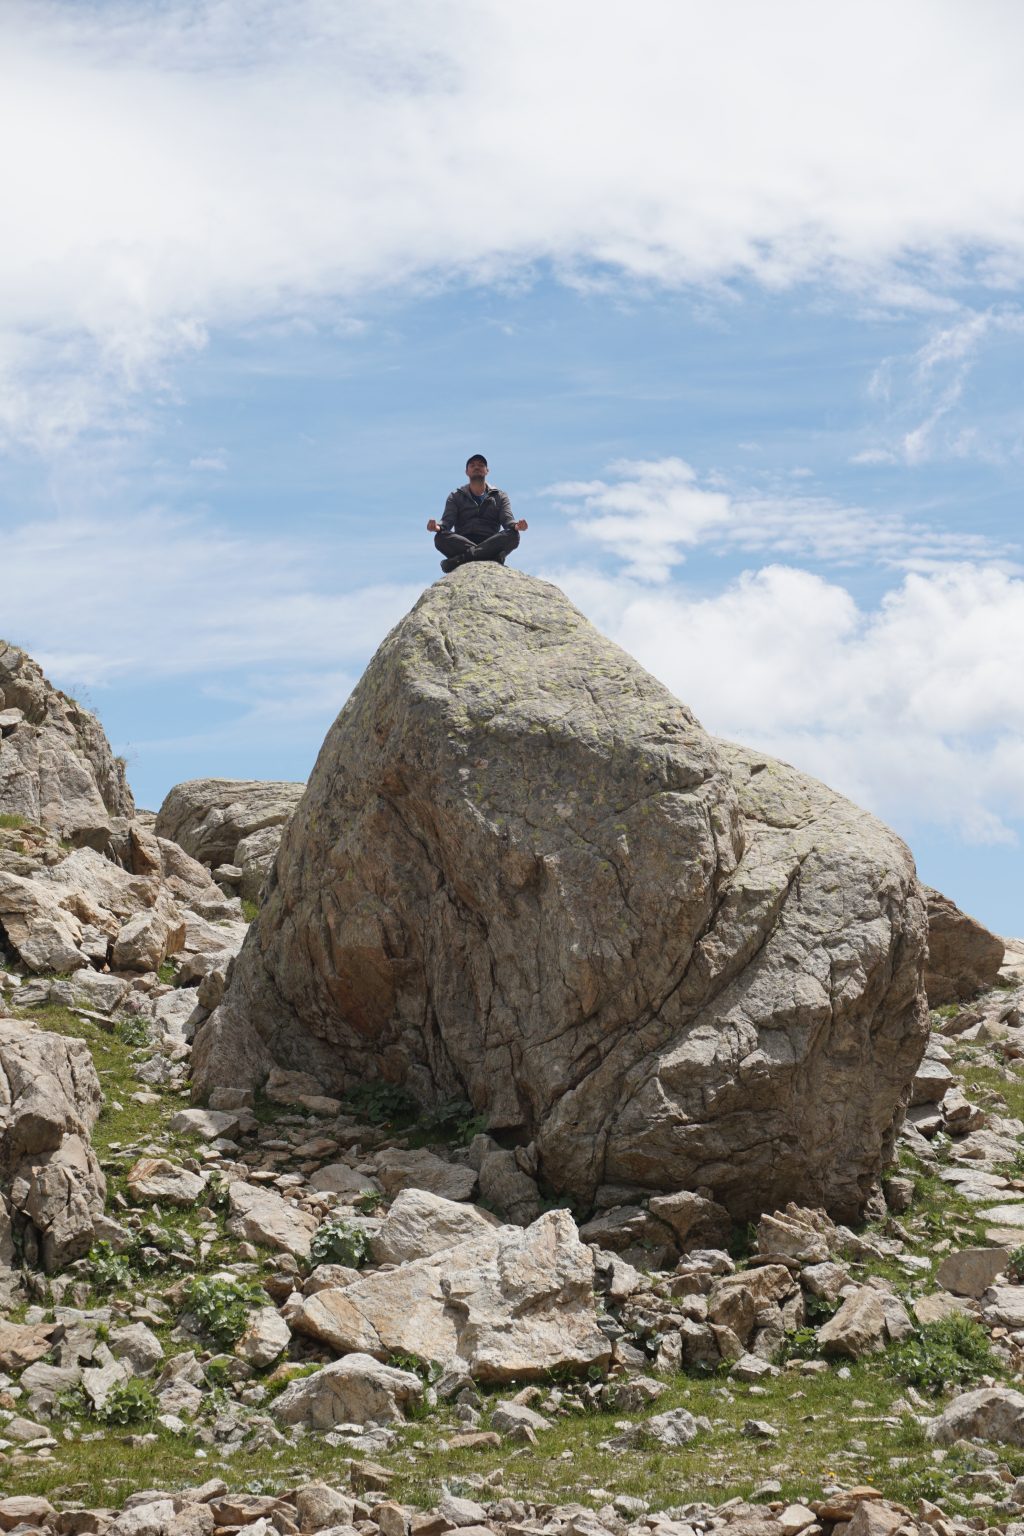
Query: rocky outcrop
[[234, 822], [503, 1306], [56, 766], [523, 875], [52, 1185], [963, 957]]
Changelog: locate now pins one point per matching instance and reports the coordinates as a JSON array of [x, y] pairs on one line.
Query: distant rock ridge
[[524, 875], [233, 826], [56, 766]]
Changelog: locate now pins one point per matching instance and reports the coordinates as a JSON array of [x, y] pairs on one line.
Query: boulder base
[[523, 875]]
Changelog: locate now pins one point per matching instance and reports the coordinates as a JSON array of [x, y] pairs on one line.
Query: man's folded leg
[[498, 545], [455, 547]]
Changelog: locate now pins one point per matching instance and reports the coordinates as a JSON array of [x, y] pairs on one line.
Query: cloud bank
[[173, 170]]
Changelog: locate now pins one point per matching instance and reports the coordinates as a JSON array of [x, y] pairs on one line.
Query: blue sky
[[734, 308]]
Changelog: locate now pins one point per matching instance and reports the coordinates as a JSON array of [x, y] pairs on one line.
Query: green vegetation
[[12, 823], [250, 909], [954, 1352], [222, 1307], [339, 1242], [129, 1402]]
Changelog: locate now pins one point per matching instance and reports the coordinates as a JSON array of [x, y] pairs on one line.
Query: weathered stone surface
[[355, 1390], [65, 917], [420, 1169], [155, 1178], [21, 1343], [419, 1224], [139, 1346], [857, 1329], [56, 766], [265, 1337], [209, 818], [696, 1222], [509, 1304], [963, 957], [266, 1218], [523, 875], [990, 1413], [49, 1100], [340, 1179], [970, 1271], [144, 942]]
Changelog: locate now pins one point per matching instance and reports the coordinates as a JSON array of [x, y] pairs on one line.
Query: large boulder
[[963, 957], [51, 1183], [523, 875], [506, 1305], [230, 821], [56, 766]]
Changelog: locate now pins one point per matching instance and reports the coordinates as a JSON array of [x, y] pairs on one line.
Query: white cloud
[[99, 599], [653, 511], [922, 394], [176, 168], [913, 709]]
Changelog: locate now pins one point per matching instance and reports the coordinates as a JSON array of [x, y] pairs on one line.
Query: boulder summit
[[524, 875]]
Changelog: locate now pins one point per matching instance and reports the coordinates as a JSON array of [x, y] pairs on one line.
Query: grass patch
[[12, 823], [250, 909]]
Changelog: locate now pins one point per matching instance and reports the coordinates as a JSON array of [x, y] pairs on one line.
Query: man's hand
[[433, 526], [522, 525]]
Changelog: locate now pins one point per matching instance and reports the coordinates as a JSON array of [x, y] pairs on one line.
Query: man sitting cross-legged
[[477, 522]]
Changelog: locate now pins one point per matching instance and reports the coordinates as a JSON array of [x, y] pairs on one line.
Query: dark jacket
[[462, 515]]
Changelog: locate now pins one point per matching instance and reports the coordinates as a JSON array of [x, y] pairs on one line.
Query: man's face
[[476, 469]]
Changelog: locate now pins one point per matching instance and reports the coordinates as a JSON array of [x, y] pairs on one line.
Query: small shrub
[[108, 1271], [382, 1103], [453, 1121], [369, 1201], [952, 1352], [818, 1310], [339, 1242], [132, 1031], [428, 1371], [222, 1307], [129, 1402], [1015, 1265], [801, 1344], [167, 972], [250, 910]]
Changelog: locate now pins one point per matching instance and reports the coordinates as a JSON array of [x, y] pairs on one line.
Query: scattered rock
[[970, 1271], [355, 1390], [857, 1329], [511, 1304], [266, 1218], [989, 1413], [155, 1178], [420, 1223]]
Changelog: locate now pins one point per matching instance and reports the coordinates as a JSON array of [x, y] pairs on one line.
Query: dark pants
[[456, 545]]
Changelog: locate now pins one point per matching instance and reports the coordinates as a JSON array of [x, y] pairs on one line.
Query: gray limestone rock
[[508, 1304], [963, 957], [355, 1390], [49, 1100], [210, 818], [56, 766], [990, 1413], [523, 875], [419, 1224]]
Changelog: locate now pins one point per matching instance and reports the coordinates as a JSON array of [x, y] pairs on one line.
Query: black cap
[[476, 456]]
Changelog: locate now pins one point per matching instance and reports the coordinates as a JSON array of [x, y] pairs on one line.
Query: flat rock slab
[[1005, 1215], [268, 1219], [355, 1390], [207, 1123], [971, 1271]]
